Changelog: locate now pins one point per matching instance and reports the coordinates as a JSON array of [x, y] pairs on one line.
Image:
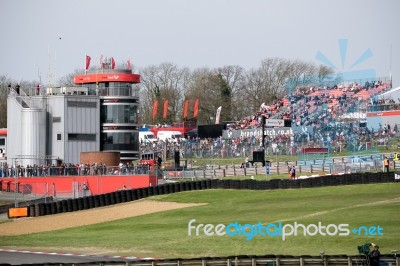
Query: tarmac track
[[21, 257]]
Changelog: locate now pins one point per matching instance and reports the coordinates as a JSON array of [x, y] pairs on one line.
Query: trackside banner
[[257, 132]]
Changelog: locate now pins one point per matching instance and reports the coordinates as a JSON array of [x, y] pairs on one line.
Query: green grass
[[165, 234]]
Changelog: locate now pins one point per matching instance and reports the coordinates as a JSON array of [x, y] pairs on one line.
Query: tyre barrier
[[146, 192], [156, 191], [188, 186], [64, 206], [69, 205], [112, 198], [107, 200], [41, 209], [150, 191], [96, 201], [123, 196], [177, 187], [139, 193], [59, 206], [80, 204], [47, 208], [134, 194], [166, 189], [74, 205], [85, 201], [118, 197], [171, 188], [37, 210], [193, 185], [32, 210]]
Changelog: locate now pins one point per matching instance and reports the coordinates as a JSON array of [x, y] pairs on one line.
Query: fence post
[[311, 166], [245, 171], [234, 171], [223, 173]]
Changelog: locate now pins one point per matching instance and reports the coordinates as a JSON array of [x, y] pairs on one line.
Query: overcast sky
[[202, 33]]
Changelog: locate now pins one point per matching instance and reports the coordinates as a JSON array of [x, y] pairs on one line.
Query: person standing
[[375, 256], [293, 172], [386, 163]]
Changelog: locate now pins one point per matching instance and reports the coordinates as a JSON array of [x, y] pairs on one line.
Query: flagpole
[[390, 66]]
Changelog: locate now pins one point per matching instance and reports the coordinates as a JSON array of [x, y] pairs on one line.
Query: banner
[[87, 62], [185, 109], [155, 109], [246, 133], [165, 111], [218, 115], [196, 108]]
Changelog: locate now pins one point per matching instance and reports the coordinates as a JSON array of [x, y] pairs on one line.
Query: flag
[[165, 111], [218, 115], [129, 64], [155, 109], [112, 63], [185, 108], [87, 62], [196, 108]]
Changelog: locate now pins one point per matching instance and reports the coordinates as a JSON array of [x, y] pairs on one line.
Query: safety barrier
[[127, 195], [271, 260]]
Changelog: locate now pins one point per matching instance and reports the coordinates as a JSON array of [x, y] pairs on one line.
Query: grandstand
[[333, 116]]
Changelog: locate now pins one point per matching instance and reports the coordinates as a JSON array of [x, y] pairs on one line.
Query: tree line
[[240, 92]]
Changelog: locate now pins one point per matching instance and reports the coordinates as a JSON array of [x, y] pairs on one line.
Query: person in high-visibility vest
[[396, 156], [386, 163]]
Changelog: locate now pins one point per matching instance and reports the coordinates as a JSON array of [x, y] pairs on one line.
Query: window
[[2, 142], [58, 136], [56, 119], [82, 137]]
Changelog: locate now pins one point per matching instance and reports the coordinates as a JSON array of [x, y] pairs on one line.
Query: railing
[[43, 171], [270, 260], [303, 169]]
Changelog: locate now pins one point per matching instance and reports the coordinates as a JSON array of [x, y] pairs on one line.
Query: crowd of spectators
[[72, 170]]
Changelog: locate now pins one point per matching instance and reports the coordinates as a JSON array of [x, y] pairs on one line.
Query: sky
[[45, 38]]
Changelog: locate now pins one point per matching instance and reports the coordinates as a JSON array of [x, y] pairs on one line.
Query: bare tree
[[164, 82]]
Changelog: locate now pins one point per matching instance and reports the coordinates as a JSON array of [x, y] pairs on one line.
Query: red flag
[[155, 109], [165, 111], [112, 63], [87, 61], [196, 108], [129, 64], [185, 108]]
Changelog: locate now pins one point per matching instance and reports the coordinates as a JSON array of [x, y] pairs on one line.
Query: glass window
[[120, 141], [82, 137], [118, 114]]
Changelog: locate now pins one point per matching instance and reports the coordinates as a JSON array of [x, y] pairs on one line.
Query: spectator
[[375, 256]]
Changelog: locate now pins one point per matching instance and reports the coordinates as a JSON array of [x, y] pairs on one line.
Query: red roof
[[3, 132]]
